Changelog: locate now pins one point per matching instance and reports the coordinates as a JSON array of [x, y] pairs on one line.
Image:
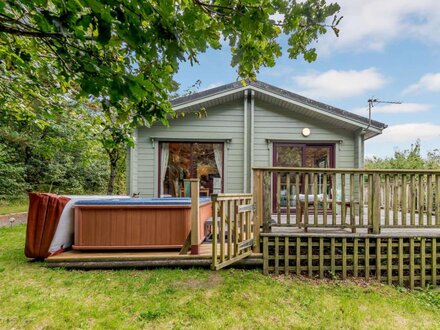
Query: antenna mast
[[371, 103]]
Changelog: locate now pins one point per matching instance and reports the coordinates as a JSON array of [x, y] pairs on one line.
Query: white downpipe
[[252, 137], [245, 142], [359, 137]]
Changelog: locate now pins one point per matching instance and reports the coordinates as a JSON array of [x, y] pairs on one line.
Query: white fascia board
[[208, 98]]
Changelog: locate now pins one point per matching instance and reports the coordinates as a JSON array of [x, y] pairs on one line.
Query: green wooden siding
[[284, 125], [222, 123]]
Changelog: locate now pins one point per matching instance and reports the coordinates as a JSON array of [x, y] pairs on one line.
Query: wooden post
[[375, 207], [288, 191], [434, 262], [306, 201], [390, 261], [324, 202], [437, 208], [278, 197], [429, 199], [214, 231], [258, 214], [387, 199], [267, 201], [411, 263], [404, 200], [265, 255], [286, 255], [355, 257], [321, 258], [352, 210], [195, 227]]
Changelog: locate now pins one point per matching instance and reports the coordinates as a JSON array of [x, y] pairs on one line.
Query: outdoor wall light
[[306, 132]]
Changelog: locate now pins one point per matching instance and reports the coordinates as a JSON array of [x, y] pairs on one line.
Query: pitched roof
[[182, 102]]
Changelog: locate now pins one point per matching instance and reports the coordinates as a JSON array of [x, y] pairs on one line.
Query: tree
[[115, 136], [123, 54], [61, 156], [129, 50]]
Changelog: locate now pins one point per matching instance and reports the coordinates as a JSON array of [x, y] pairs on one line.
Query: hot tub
[[136, 223]]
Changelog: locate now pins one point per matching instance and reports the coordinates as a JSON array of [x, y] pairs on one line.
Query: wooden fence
[[353, 198], [404, 261], [232, 230]]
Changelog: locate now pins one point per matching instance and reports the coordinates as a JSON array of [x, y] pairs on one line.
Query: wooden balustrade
[[347, 198]]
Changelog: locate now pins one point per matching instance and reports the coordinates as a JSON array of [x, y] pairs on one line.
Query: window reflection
[[300, 155], [183, 161]]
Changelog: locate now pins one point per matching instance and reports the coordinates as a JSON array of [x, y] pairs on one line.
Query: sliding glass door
[[181, 161]]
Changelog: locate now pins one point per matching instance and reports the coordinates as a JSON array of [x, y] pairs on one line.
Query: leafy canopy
[[62, 156], [121, 52]]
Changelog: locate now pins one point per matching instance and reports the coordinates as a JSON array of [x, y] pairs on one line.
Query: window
[[303, 155], [286, 154], [182, 161]]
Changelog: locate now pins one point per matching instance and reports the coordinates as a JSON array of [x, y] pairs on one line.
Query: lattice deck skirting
[[404, 261]]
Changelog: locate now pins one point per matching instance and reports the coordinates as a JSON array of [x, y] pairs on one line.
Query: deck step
[[105, 260]]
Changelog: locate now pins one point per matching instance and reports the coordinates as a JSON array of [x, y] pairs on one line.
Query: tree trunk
[[113, 172]]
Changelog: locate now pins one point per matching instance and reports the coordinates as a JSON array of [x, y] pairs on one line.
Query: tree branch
[[34, 34]]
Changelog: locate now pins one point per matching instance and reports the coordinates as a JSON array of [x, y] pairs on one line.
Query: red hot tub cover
[[43, 217]]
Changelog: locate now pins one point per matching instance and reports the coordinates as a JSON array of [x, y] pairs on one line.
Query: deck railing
[[347, 198]]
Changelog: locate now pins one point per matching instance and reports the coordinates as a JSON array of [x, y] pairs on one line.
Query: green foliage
[[15, 205], [12, 181], [61, 156], [429, 297], [127, 51], [406, 159], [121, 56]]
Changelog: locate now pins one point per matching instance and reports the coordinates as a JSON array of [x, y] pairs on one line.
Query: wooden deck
[[141, 259], [384, 225], [171, 258]]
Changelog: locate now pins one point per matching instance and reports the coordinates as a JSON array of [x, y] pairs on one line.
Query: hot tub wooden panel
[[134, 226]]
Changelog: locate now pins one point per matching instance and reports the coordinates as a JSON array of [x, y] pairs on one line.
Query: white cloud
[[279, 71], [277, 17], [409, 133], [370, 25], [395, 108], [429, 82], [334, 84], [400, 137]]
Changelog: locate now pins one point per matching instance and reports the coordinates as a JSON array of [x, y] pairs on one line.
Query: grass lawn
[[14, 206], [35, 297]]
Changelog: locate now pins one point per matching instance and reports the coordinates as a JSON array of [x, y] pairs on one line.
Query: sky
[[388, 50]]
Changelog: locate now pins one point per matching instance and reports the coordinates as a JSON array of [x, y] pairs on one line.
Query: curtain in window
[[165, 153], [218, 155]]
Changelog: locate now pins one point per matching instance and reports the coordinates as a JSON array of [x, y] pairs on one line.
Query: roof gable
[[271, 93]]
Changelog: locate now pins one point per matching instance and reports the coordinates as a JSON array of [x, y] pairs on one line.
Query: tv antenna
[[371, 103]]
